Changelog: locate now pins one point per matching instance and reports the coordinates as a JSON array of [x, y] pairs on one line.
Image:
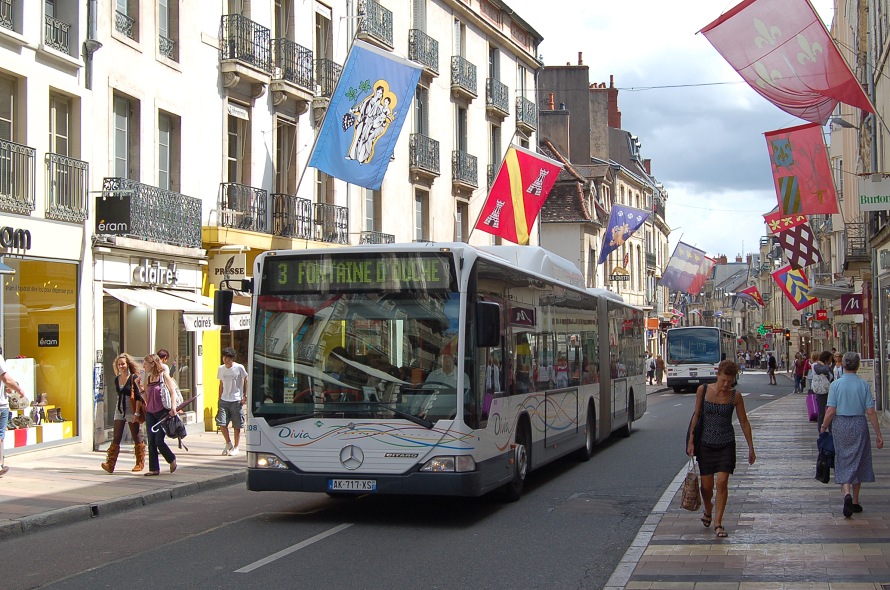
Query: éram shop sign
[[113, 215]]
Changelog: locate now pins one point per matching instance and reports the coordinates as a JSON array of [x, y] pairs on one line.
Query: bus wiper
[[288, 420], [407, 416]]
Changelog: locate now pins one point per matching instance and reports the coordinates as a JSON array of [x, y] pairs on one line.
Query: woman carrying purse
[[156, 411], [125, 413]]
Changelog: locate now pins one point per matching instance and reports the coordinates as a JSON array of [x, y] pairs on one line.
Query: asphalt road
[[570, 529]]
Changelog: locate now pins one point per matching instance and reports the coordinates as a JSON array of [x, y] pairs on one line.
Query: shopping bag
[[691, 499], [812, 407]]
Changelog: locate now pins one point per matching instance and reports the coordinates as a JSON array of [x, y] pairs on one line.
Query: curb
[[71, 514]]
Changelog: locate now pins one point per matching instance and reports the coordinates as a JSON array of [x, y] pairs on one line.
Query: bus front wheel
[[521, 460]]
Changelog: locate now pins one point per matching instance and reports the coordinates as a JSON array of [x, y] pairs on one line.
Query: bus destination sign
[[358, 273]]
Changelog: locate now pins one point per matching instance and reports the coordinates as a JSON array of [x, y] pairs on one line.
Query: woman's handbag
[[166, 400], [823, 468], [812, 407], [691, 499]]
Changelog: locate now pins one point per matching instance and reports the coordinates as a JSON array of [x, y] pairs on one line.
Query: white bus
[[693, 354], [437, 369]]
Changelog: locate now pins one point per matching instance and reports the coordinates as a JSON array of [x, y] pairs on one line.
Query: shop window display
[[40, 344]]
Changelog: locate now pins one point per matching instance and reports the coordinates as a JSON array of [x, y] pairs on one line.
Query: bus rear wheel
[[521, 461], [586, 452], [628, 427]]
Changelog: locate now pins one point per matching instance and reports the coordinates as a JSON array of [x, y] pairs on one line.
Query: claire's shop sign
[[150, 272]]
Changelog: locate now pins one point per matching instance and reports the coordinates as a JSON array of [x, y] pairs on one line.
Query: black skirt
[[715, 459]]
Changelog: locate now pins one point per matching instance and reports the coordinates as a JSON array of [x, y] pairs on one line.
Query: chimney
[[612, 105], [550, 102], [720, 259], [738, 257], [580, 59], [647, 164]]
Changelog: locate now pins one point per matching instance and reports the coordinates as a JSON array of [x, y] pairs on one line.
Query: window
[[238, 149], [126, 137], [372, 210], [324, 40], [7, 108], [126, 21], [168, 152], [460, 38], [59, 124], [284, 10], [460, 122], [494, 147], [421, 214], [494, 65], [521, 77], [168, 29], [286, 156], [421, 110], [324, 189], [461, 223]]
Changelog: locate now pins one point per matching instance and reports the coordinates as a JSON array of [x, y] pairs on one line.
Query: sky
[[698, 122]]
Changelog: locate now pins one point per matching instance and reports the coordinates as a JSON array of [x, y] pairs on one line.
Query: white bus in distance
[[694, 353]]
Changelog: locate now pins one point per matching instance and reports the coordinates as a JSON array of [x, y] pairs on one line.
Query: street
[[569, 530]]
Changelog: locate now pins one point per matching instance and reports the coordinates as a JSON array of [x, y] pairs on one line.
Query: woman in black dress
[[717, 453]]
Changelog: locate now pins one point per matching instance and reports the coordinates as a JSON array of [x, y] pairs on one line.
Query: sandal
[[721, 532], [706, 519]]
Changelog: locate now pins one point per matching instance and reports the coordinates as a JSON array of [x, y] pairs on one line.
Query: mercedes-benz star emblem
[[351, 457]]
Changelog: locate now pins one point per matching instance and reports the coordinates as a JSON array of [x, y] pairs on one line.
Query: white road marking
[[266, 560]]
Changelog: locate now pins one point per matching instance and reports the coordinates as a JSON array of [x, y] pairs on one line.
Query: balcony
[[526, 115], [124, 24], [291, 217], [17, 178], [293, 75], [375, 24], [158, 215], [424, 50], [67, 188], [241, 207], [6, 14], [821, 273], [245, 53], [857, 255], [464, 171], [55, 34], [650, 261], [491, 172], [497, 98], [327, 74], [331, 223], [463, 78], [423, 154], [376, 237], [659, 209], [167, 47]]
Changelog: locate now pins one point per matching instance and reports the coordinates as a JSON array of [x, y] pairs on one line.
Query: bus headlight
[[459, 464], [265, 461]]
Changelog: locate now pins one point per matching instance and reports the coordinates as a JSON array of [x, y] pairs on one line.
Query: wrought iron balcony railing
[[124, 24], [6, 14], [464, 168], [17, 175], [158, 215], [497, 95], [659, 208], [243, 40], [327, 74], [293, 63], [67, 188], [463, 74], [491, 170], [526, 113], [650, 260], [423, 153], [167, 47], [331, 223], [423, 49], [856, 240], [242, 207], [376, 237], [55, 34], [375, 21], [291, 216]]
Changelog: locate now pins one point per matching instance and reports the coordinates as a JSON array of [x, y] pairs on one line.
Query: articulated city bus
[[439, 369], [693, 354]]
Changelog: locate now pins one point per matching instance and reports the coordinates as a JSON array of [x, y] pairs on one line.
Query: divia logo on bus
[[286, 432], [359, 273]]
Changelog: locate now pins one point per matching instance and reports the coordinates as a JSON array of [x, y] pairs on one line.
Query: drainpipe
[[876, 336], [91, 44]]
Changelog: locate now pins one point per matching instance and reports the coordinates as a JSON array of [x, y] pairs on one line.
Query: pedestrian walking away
[[851, 407], [9, 383], [232, 397], [771, 368], [822, 378], [659, 370], [156, 411], [717, 449], [129, 412]]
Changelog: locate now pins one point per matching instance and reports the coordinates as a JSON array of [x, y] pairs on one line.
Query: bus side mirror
[[488, 324], [222, 307]]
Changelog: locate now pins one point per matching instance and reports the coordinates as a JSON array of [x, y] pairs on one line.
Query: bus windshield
[[692, 346], [356, 336]]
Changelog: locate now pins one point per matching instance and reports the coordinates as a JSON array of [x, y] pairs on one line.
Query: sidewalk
[[68, 488], [786, 530]]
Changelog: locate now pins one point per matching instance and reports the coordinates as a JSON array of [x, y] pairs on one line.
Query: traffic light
[[787, 335]]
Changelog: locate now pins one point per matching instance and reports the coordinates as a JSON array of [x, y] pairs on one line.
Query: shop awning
[[197, 316], [239, 319]]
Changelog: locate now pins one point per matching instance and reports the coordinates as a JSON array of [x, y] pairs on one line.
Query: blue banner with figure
[[365, 116], [622, 222]]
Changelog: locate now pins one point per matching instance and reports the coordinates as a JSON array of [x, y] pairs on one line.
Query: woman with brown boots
[[130, 410]]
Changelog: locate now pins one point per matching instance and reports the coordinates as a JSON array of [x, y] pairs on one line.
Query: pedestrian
[[717, 449], [801, 366], [771, 368], [811, 360], [659, 370], [650, 368], [850, 407], [128, 411], [819, 386], [232, 397], [8, 383], [155, 412], [838, 367]]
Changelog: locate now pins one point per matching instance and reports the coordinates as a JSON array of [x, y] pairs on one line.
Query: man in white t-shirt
[[8, 383], [232, 397]]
